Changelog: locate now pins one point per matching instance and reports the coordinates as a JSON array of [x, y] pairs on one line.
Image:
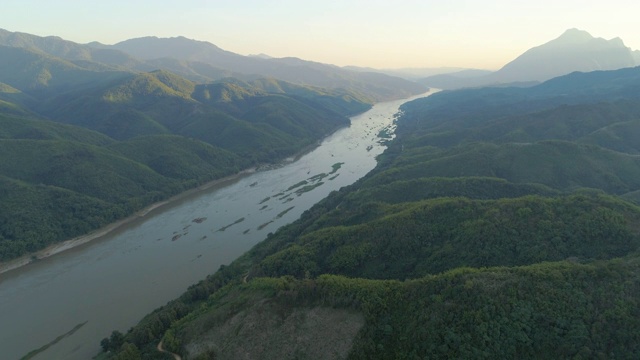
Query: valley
[[498, 222], [162, 197], [153, 258]]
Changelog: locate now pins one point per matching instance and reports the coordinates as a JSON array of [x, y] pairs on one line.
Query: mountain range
[[500, 222], [98, 129], [574, 50], [202, 61], [118, 141]]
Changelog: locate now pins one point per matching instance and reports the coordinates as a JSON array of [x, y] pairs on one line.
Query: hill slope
[[574, 50], [123, 140], [464, 242], [373, 85], [253, 123], [202, 61]]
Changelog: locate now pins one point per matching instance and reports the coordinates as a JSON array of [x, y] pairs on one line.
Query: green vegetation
[[499, 223], [284, 212], [297, 185], [549, 310], [230, 225], [180, 158], [308, 188], [385, 134], [335, 167], [333, 87], [37, 351], [34, 216], [466, 313], [120, 141], [264, 200], [262, 226], [432, 236]]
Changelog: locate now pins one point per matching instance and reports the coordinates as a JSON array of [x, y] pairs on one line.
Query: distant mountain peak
[[202, 61], [616, 41], [574, 50], [261, 56], [173, 39], [575, 36], [153, 47]]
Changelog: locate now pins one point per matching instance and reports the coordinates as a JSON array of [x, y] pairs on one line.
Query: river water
[[112, 282]]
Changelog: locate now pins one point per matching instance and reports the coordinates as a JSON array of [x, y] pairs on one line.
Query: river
[[111, 282]]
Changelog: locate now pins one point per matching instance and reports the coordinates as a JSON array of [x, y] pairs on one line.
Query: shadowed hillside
[[202, 62], [498, 223], [574, 50], [88, 135]]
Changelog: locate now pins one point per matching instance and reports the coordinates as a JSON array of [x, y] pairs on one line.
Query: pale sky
[[374, 33]]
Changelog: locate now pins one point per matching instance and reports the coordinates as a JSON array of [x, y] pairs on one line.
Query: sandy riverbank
[[106, 230]]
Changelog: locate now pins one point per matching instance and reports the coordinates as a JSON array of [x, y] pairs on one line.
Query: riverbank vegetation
[[120, 142], [499, 223]]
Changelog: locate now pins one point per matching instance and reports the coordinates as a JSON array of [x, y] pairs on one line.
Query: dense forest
[[85, 144], [499, 223]]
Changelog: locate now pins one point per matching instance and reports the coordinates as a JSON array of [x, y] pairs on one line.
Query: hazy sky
[[375, 33]]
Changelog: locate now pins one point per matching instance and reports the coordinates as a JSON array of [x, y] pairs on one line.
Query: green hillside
[[497, 224], [549, 310], [233, 115], [145, 86], [60, 181], [428, 237], [33, 72], [546, 305], [97, 137], [565, 122], [89, 170], [25, 127], [180, 158], [203, 62], [342, 101], [558, 164], [475, 107], [34, 216]]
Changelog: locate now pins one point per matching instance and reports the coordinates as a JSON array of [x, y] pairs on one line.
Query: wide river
[[110, 283]]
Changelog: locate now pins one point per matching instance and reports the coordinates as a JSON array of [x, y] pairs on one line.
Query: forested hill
[[84, 145], [499, 223], [203, 62]]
